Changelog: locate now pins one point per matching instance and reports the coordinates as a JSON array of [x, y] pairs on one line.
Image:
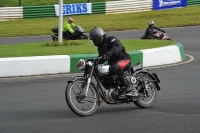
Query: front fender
[[152, 75], [77, 78]]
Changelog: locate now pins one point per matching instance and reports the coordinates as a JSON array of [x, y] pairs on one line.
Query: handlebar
[[95, 59]]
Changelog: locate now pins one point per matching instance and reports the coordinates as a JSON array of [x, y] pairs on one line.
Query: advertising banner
[[72, 9], [165, 4]]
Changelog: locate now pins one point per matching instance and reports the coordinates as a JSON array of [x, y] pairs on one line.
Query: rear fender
[[136, 67], [152, 75]]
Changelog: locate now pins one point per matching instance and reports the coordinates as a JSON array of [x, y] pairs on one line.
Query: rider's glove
[[81, 64], [107, 56]]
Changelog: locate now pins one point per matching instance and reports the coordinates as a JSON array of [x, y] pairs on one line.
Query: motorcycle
[[78, 34], [161, 36], [85, 93]]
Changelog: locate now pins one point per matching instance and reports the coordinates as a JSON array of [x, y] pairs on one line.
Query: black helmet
[[95, 35]]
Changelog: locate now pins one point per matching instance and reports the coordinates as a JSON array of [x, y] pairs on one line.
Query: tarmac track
[[37, 104]]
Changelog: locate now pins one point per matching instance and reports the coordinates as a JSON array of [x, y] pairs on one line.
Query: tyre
[[54, 37], [76, 100], [149, 94]]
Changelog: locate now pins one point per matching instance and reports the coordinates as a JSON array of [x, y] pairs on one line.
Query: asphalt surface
[[37, 104]]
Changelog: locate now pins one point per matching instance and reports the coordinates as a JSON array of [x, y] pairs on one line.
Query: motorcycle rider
[[150, 32], [112, 50], [68, 28]]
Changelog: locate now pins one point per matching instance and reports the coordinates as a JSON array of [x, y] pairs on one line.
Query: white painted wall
[[24, 66], [38, 65], [161, 56]]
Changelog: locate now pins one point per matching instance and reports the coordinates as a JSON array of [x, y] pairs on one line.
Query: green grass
[[10, 3], [78, 47], [188, 16]]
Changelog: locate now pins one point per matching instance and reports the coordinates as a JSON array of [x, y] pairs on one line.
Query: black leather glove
[[107, 56]]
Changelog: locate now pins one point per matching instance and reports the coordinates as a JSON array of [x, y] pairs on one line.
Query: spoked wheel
[[80, 104], [148, 92]]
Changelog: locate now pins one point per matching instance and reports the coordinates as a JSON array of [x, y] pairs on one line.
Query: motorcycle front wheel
[[54, 37], [148, 93], [80, 104]]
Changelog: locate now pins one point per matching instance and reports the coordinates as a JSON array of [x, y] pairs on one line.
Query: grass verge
[[72, 47]]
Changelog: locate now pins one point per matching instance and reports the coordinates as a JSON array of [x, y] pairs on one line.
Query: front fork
[[87, 86], [89, 80]]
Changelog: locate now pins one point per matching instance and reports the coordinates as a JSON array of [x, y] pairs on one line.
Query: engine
[[112, 95], [111, 82]]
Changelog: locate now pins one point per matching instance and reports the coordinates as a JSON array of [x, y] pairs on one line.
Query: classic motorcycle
[[84, 93], [79, 34], [160, 35]]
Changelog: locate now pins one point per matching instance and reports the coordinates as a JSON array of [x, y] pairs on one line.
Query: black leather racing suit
[[119, 58], [150, 31]]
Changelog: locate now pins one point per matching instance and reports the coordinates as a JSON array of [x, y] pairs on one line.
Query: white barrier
[[11, 13], [38, 65], [26, 66], [127, 6], [161, 56]]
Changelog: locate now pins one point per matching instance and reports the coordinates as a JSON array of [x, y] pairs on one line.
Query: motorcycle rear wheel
[[76, 100], [149, 95]]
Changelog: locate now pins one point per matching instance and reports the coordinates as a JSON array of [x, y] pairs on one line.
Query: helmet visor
[[95, 41]]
